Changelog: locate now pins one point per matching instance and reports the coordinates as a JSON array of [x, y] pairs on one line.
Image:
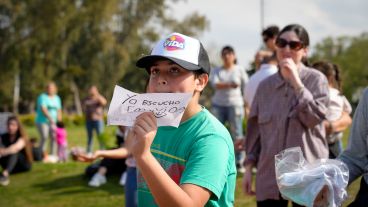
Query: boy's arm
[[165, 191]]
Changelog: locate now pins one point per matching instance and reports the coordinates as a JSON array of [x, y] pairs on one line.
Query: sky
[[238, 22]]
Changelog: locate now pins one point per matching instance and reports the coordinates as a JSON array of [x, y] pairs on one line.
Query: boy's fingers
[[146, 121]]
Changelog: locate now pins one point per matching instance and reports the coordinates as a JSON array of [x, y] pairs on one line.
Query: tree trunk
[[77, 101], [16, 93]]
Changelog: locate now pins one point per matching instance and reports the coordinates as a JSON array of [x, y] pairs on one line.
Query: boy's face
[[168, 77]]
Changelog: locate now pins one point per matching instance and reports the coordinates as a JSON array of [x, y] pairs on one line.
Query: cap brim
[[148, 61]]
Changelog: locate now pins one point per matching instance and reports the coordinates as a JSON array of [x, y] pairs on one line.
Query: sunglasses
[[294, 45]]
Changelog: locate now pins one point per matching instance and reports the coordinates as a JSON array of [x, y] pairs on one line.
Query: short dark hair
[[271, 31], [60, 124], [330, 70], [228, 49]]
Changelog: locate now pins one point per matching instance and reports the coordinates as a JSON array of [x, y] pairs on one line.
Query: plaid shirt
[[281, 118]]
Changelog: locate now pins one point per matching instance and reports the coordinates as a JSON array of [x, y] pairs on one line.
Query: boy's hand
[[142, 134]]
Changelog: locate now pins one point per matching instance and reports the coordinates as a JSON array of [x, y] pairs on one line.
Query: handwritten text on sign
[[125, 106]]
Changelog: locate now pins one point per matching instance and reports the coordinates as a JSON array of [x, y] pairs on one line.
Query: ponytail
[[337, 77]]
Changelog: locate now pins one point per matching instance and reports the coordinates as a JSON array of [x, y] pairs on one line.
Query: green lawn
[[63, 184]]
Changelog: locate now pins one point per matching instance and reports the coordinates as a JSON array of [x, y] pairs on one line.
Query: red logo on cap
[[174, 42]]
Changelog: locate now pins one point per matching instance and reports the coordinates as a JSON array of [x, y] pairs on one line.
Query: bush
[[27, 119], [78, 120], [107, 139], [69, 120]]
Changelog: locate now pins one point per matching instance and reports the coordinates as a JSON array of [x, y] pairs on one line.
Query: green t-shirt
[[52, 104], [200, 151]]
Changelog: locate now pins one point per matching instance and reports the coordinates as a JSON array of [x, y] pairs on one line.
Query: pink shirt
[[280, 119], [61, 136]]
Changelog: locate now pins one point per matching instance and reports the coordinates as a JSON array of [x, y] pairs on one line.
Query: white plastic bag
[[321, 183]]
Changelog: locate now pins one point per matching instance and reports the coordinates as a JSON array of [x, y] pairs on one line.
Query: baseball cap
[[183, 50]]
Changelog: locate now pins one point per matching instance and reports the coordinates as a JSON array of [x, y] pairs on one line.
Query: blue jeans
[[131, 196], [98, 125], [234, 116]]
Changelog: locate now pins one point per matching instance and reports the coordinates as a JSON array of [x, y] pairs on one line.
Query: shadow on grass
[[78, 184]]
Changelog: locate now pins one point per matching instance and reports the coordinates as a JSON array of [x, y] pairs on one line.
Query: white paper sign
[[125, 106]]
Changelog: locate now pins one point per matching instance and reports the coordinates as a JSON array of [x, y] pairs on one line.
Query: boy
[[192, 165]]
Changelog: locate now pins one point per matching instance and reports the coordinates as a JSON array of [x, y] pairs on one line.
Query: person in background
[[62, 142], [266, 65], [94, 112], [356, 154], [15, 151], [107, 166], [229, 82], [48, 113], [288, 111], [269, 36], [338, 115], [114, 158]]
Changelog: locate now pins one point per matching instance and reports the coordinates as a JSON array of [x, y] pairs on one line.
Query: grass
[[63, 184]]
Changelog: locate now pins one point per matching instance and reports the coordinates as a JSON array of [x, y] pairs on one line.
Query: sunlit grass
[[63, 184]]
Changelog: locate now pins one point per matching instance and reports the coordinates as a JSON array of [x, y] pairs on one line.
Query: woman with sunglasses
[[287, 111]]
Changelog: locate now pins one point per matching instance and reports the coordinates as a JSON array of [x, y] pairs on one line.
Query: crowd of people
[[286, 103]]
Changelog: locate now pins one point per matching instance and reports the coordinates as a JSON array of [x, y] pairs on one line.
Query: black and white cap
[[181, 49]]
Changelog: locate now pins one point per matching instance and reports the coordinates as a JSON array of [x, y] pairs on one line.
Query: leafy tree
[[351, 55], [79, 43]]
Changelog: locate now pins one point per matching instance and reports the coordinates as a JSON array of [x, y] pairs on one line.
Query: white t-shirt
[[229, 96], [338, 104], [264, 71]]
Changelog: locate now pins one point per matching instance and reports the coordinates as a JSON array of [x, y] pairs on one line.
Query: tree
[[77, 43], [351, 55]]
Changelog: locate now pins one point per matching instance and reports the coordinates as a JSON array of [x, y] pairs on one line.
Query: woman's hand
[[247, 182], [141, 135], [289, 71], [82, 157]]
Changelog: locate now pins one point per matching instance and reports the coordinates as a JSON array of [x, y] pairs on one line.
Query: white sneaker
[[97, 180], [123, 178]]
